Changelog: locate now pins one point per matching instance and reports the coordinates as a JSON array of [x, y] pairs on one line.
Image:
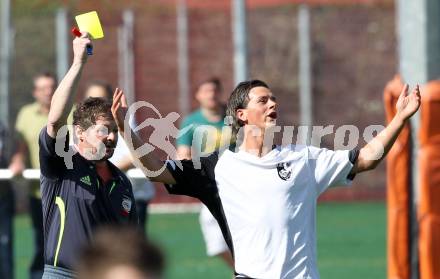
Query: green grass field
[[351, 243]]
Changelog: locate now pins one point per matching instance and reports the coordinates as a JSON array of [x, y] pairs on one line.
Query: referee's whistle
[[77, 33]]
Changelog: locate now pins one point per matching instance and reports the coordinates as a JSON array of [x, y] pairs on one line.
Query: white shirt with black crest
[[266, 206]]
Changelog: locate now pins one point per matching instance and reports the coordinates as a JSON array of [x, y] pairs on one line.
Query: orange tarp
[[398, 183], [429, 178]]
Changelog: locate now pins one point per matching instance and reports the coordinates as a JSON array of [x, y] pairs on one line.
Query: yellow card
[[89, 22]]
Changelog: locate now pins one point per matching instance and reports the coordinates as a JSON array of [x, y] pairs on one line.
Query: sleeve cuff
[[352, 156], [174, 170]]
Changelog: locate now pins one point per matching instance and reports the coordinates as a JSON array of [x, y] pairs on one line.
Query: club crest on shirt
[[126, 205], [284, 170]]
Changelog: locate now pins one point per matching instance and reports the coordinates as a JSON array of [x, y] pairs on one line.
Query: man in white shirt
[[264, 198]]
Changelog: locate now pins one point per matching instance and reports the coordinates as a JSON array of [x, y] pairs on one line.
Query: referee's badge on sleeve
[[126, 205]]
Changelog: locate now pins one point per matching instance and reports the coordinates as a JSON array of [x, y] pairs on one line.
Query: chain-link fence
[[353, 50]]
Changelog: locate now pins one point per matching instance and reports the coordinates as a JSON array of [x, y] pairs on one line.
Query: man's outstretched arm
[[374, 151], [62, 100], [149, 161]]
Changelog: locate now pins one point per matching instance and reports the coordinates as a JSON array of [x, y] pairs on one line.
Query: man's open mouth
[[272, 115]]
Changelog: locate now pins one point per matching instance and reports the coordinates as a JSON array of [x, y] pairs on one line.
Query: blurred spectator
[[6, 213], [30, 120], [143, 189], [99, 89], [120, 253], [211, 113]]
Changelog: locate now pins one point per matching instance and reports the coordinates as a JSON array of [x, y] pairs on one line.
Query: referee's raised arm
[[63, 97]]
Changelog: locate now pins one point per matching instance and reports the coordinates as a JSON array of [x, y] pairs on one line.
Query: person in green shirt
[[211, 114], [30, 120]]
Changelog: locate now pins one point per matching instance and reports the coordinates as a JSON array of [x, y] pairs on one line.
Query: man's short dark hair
[[239, 99], [88, 111], [103, 84], [214, 80], [120, 246], [45, 75]]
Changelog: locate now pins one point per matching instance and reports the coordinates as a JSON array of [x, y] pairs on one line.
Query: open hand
[[408, 104], [119, 108]]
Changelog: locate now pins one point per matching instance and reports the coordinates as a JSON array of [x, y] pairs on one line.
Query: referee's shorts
[[54, 272]]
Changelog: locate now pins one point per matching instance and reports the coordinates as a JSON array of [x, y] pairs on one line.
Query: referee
[[263, 197], [88, 193]]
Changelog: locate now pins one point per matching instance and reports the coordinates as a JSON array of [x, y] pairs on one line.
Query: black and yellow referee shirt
[[75, 202]]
